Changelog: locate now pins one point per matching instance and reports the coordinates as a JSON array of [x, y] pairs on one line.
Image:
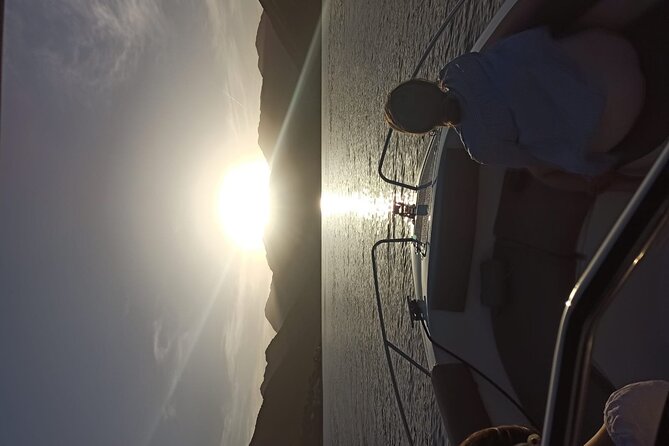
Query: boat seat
[[536, 231], [460, 404], [533, 215], [494, 284]]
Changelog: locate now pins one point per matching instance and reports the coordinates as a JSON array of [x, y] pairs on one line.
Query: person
[[634, 415], [532, 101], [508, 435]]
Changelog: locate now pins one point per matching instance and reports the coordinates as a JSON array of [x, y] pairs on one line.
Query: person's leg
[[611, 64]]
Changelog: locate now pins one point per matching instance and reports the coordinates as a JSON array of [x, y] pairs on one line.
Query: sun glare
[[243, 204], [362, 205]]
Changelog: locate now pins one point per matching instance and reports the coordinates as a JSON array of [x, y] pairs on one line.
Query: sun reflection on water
[[359, 204]]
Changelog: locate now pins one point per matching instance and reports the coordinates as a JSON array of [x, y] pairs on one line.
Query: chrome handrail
[[434, 140], [619, 254], [387, 345]]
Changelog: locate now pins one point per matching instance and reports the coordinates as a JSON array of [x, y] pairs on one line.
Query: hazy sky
[[125, 316]]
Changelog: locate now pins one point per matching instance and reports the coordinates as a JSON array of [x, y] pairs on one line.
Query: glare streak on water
[[369, 47], [358, 204]]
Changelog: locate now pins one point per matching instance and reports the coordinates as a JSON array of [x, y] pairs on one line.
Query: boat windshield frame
[[626, 244]]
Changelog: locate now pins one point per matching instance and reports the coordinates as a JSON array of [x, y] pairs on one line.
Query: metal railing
[[619, 254], [428, 50], [387, 344]]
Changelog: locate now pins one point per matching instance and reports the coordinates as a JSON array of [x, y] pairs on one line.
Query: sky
[[126, 316]]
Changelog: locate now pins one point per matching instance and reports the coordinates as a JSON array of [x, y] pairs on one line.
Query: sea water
[[369, 47]]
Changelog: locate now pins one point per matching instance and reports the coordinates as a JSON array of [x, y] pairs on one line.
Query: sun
[[243, 204]]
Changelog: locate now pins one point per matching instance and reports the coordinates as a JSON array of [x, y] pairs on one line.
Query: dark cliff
[[295, 22], [290, 137]]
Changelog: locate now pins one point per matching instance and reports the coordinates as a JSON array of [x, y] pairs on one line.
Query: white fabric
[[525, 102], [632, 414]]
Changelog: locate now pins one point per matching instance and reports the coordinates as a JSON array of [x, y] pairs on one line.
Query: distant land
[[289, 135]]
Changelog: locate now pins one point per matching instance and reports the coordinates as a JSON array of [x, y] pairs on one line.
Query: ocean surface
[[369, 47]]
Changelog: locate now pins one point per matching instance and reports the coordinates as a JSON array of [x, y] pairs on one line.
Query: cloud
[[87, 45], [86, 50], [171, 351], [169, 411], [161, 345]]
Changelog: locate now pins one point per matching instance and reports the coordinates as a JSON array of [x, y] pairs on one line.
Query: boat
[[525, 292]]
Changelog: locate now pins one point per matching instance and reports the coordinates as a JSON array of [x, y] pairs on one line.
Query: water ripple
[[369, 47]]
